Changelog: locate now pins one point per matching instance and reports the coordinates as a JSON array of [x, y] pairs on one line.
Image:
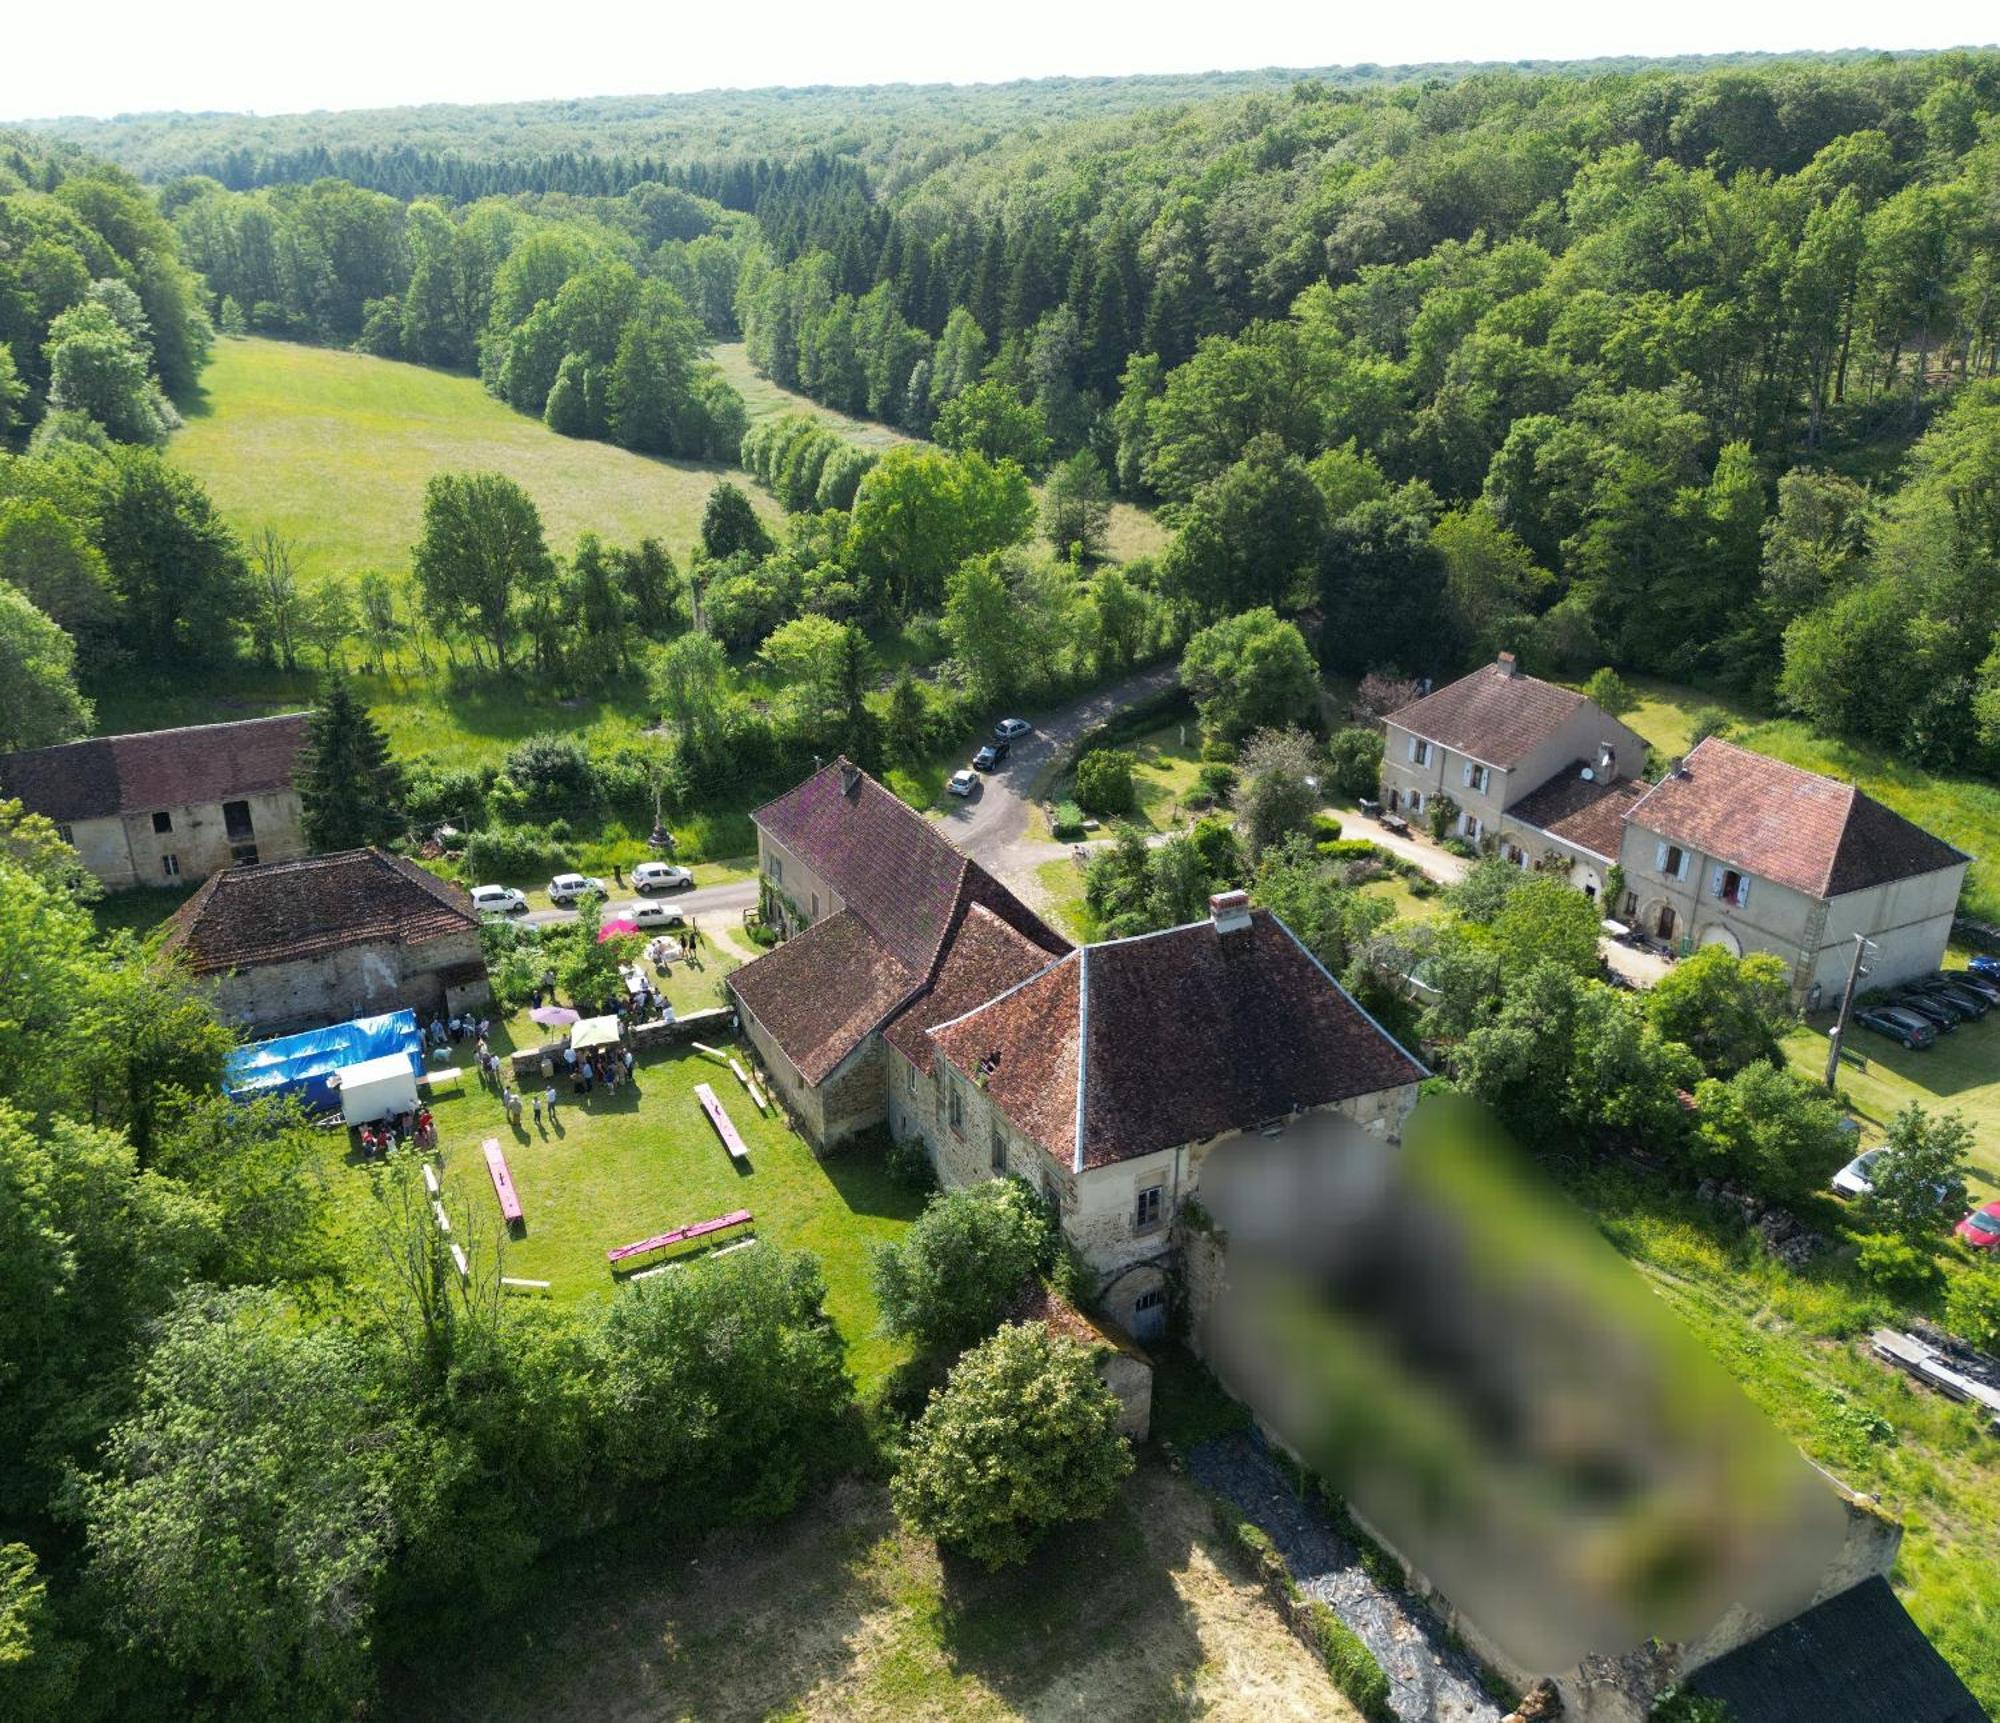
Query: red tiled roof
[[1785, 824], [887, 862], [1037, 1301], [283, 911], [1586, 812], [154, 770], [983, 959], [820, 993], [1490, 715], [912, 899], [1142, 1044]]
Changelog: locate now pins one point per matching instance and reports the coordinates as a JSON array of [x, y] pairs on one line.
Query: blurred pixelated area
[[1449, 1342]]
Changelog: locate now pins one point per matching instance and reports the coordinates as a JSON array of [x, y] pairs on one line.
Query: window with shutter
[[1660, 860]]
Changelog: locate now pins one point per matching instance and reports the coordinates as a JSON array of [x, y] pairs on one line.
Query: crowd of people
[[417, 1128]]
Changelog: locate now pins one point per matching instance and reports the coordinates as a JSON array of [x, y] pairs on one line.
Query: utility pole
[[1862, 946]]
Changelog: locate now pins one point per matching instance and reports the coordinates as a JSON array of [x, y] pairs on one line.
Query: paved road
[[724, 902], [992, 824]]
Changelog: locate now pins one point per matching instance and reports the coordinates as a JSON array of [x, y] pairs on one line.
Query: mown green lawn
[[334, 448], [612, 1170]]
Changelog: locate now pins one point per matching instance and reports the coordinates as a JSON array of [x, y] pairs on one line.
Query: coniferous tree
[[350, 790]]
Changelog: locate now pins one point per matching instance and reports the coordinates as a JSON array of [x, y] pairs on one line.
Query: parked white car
[[1854, 1179], [643, 914], [1012, 729], [963, 782], [498, 900], [660, 876], [566, 888]]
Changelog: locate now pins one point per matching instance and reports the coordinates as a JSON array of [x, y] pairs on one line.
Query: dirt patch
[[838, 1614]]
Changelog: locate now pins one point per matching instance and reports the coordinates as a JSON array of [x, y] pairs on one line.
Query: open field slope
[[838, 1613], [1134, 531], [334, 448]]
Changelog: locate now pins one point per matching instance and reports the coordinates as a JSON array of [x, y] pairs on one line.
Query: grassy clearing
[[1134, 531], [613, 1169], [1962, 810], [838, 1613], [334, 448], [1797, 1345], [1059, 885]]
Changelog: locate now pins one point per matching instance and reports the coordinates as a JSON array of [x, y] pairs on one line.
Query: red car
[[1981, 1228]]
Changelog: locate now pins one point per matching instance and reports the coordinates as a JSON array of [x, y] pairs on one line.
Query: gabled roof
[[282, 911], [1495, 715], [1587, 812], [1785, 824], [154, 770], [822, 991], [1142, 1044], [1856, 1658], [909, 900], [888, 863], [982, 960]]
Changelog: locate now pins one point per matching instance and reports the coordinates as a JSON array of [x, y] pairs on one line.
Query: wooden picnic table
[[503, 1182], [679, 1235], [738, 1149]]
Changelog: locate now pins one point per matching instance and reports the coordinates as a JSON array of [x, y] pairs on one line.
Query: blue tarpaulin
[[301, 1064]]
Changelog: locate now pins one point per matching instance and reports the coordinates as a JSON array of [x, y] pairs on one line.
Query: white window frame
[[1468, 827], [170, 865], [1420, 751], [1666, 855], [1149, 1209], [1477, 777]]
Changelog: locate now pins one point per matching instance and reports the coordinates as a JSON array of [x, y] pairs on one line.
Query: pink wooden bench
[[503, 1181], [680, 1235], [737, 1148]]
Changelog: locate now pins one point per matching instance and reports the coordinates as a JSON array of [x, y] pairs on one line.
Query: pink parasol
[[612, 928], [553, 1016]]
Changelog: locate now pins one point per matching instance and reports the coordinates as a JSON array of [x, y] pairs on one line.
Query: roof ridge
[[165, 730], [1082, 1048]]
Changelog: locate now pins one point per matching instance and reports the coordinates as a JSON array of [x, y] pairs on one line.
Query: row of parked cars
[[990, 756], [1918, 1012], [567, 890]]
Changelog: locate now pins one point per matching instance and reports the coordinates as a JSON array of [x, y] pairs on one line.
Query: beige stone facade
[[355, 981]]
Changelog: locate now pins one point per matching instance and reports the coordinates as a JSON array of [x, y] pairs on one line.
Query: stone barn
[[297, 944]]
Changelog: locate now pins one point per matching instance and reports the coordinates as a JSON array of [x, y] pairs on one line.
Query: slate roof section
[[1490, 715], [1141, 1044], [1856, 1658], [822, 991], [154, 770], [1586, 812], [1783, 823], [283, 911], [982, 960]]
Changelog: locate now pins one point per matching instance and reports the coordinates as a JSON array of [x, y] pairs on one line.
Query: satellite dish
[[1588, 776]]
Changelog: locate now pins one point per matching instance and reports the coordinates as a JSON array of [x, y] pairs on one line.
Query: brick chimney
[[1507, 665], [1230, 911]]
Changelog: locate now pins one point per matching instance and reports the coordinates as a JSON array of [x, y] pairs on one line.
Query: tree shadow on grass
[[867, 1186], [1092, 1622]]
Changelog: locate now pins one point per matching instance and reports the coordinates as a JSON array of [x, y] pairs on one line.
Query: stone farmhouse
[[1539, 772], [164, 806], [1736, 849], [922, 994], [1729, 848], [291, 945]]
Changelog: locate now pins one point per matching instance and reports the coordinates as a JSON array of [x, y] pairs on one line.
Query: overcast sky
[[115, 56]]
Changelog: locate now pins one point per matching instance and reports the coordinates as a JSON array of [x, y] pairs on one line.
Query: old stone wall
[[356, 981]]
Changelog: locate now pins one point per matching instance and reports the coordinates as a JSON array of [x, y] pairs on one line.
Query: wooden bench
[[503, 1182], [679, 1235], [738, 1149], [750, 1083], [451, 1077]]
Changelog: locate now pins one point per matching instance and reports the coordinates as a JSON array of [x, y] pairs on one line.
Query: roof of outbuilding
[[822, 991], [1856, 1658], [282, 911], [1494, 715], [1142, 1044], [1587, 812], [1800, 829], [154, 770], [1039, 1302]]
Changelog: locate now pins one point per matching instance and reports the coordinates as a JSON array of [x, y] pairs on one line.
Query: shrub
[[1707, 721], [1354, 762], [1891, 1265], [1221, 856], [1022, 1438], [512, 852], [1972, 1305], [438, 795], [1326, 828], [1219, 751], [1347, 849], [1066, 823], [1104, 781], [1458, 847], [1217, 780], [945, 1282]]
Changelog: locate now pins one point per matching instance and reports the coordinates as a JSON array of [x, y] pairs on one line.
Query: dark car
[[989, 756], [1986, 966], [1971, 981], [1970, 1001], [1912, 1031], [1937, 1009]]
